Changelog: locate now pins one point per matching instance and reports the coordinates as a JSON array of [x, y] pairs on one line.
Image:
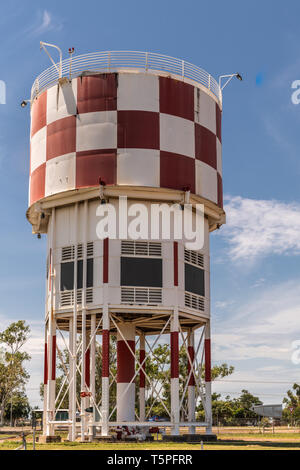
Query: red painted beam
[[53, 372], [207, 361], [105, 260], [125, 361], [45, 365], [87, 368], [175, 254]]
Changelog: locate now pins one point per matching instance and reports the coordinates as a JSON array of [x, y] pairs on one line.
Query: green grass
[[230, 441]]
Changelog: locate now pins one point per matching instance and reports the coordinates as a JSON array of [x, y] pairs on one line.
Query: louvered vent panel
[[141, 295], [127, 295], [194, 257], [127, 247], [90, 250], [67, 253], [79, 296], [67, 297], [139, 248], [154, 249], [89, 295], [194, 301], [80, 251]]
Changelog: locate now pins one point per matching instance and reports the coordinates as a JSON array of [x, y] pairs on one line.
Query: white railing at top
[[114, 60]]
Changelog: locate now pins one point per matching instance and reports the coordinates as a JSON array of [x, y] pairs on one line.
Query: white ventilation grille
[[67, 253], [90, 250], [141, 295], [194, 257], [194, 301], [89, 295], [80, 251], [67, 297], [139, 248]]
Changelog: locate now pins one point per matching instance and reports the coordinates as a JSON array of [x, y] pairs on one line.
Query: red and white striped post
[[105, 342], [105, 371], [125, 372], [207, 350], [84, 335], [191, 384], [175, 372], [83, 400], [71, 374], [142, 377], [93, 372], [51, 391], [45, 378], [51, 340], [73, 384]]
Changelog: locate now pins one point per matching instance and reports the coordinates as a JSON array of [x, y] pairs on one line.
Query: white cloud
[[257, 228], [45, 22], [222, 304], [46, 19], [262, 327]]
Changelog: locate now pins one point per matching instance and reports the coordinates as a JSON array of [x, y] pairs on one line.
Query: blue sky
[[255, 259]]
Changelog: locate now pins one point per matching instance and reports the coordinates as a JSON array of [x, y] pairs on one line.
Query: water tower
[[145, 126]]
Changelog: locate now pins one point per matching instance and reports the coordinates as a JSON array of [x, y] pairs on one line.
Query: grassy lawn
[[230, 441]]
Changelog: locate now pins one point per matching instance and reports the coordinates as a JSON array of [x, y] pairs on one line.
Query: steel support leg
[[175, 412]]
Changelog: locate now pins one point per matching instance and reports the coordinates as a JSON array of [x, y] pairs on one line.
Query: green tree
[[13, 375], [18, 407], [291, 411], [232, 411], [243, 405]]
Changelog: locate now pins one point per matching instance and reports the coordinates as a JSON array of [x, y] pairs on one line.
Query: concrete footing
[[48, 439]]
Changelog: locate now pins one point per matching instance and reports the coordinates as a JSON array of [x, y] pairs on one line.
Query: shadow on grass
[[236, 443]]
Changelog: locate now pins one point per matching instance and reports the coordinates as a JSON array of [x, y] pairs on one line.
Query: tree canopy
[[13, 375]]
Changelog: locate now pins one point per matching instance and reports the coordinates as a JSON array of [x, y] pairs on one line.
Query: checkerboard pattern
[[127, 129]]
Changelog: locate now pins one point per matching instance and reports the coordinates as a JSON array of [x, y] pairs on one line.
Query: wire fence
[[110, 61]]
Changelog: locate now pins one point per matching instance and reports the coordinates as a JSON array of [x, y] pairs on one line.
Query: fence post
[[182, 70]]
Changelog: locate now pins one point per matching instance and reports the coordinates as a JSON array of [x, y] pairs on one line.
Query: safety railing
[[114, 60]]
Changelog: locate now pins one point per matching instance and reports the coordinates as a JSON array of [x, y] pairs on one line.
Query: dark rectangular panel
[[67, 276], [142, 272], [194, 279], [79, 274], [89, 273]]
